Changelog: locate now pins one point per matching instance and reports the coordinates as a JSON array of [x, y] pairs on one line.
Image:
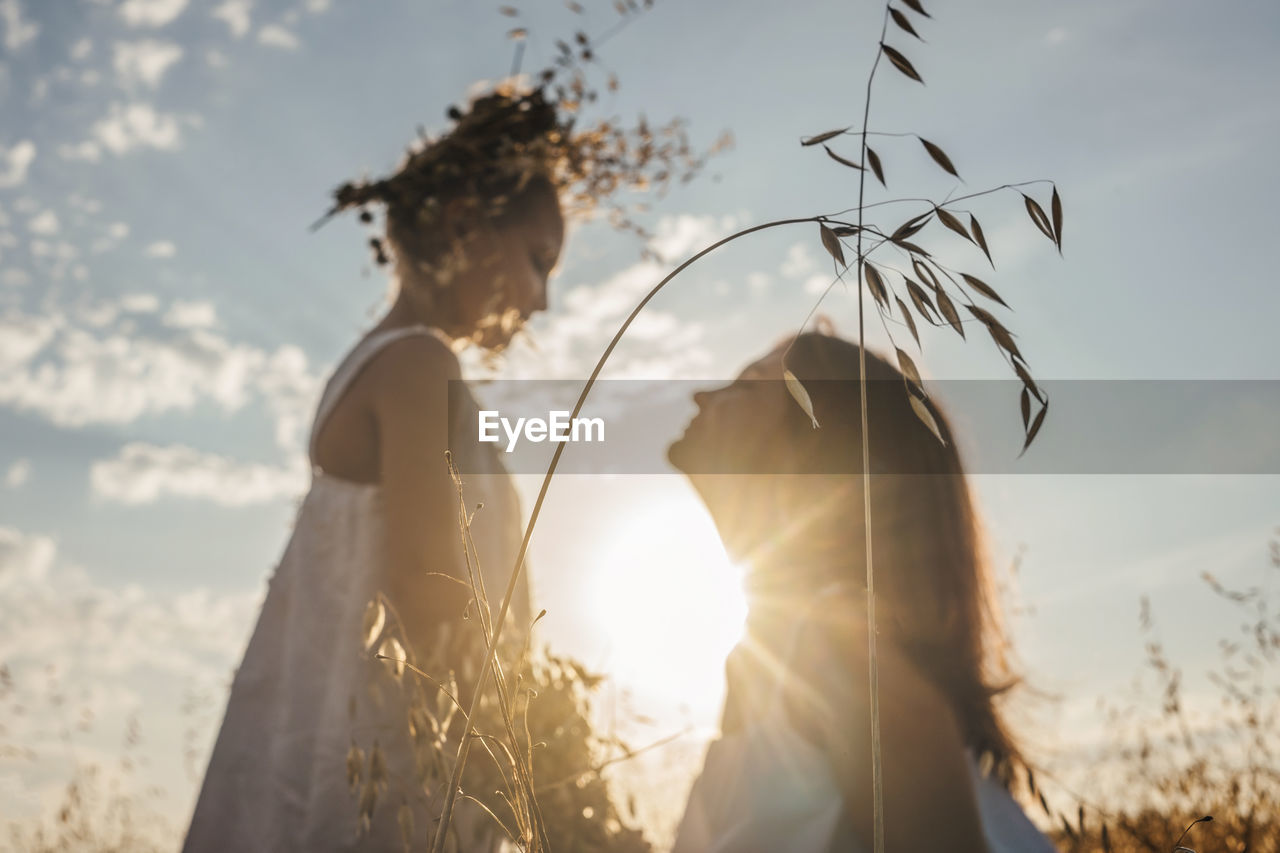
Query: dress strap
[[346, 372]]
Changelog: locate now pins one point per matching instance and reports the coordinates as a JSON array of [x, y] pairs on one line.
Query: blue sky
[[166, 318]]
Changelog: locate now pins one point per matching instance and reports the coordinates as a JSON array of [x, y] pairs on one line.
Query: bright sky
[[166, 319]]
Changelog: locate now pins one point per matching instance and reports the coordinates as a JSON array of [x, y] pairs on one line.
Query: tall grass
[[1175, 767], [540, 779]]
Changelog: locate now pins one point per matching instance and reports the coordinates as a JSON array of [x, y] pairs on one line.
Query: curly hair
[[500, 153], [506, 148], [508, 154]]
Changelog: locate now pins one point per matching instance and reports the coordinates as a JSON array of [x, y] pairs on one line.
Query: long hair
[[934, 590]]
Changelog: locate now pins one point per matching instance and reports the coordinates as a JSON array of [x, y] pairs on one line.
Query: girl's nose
[[700, 398]]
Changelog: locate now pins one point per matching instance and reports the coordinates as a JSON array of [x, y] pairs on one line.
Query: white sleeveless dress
[[766, 788], [307, 689]]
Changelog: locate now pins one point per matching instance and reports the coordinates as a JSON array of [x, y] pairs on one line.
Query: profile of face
[[734, 448], [493, 275], [736, 424], [780, 490]]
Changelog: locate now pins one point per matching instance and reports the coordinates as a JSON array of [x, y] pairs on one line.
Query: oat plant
[[888, 262]]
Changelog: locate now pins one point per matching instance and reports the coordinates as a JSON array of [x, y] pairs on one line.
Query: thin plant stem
[[515, 62], [626, 756], [1178, 843], [873, 667], [521, 766], [932, 203]]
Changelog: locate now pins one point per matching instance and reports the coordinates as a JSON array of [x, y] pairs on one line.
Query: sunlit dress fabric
[[307, 688], [764, 787]]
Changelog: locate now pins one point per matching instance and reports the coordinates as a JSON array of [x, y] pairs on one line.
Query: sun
[[668, 603]]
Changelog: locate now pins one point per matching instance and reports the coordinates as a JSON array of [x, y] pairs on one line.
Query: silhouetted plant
[[101, 808], [1171, 770], [547, 794]]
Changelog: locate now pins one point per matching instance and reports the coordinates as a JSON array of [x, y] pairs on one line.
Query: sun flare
[[668, 602]]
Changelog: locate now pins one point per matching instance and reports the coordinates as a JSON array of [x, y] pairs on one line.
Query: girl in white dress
[[792, 768], [317, 750]]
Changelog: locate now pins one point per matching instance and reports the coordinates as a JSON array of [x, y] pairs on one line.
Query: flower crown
[[506, 138]]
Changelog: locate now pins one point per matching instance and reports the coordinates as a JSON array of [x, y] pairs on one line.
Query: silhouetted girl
[[792, 770]]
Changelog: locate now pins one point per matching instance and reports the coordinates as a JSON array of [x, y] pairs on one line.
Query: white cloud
[[216, 59], [17, 32], [61, 262], [45, 223], [658, 345], [23, 559], [191, 315], [1057, 35], [24, 337], [655, 326], [112, 379], [151, 13], [14, 163], [129, 126], [58, 616], [144, 62], [18, 474], [161, 249], [59, 251], [84, 204], [81, 50], [759, 282], [274, 35], [14, 277], [677, 236], [115, 232], [817, 284], [235, 14], [798, 261], [98, 315], [317, 7], [75, 374], [145, 473], [40, 89], [291, 392], [140, 303], [799, 265], [53, 259]]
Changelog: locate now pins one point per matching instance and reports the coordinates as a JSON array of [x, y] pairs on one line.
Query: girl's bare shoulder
[[406, 367]]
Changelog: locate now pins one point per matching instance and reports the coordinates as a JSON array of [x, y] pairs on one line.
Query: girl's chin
[[678, 452], [690, 454]]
